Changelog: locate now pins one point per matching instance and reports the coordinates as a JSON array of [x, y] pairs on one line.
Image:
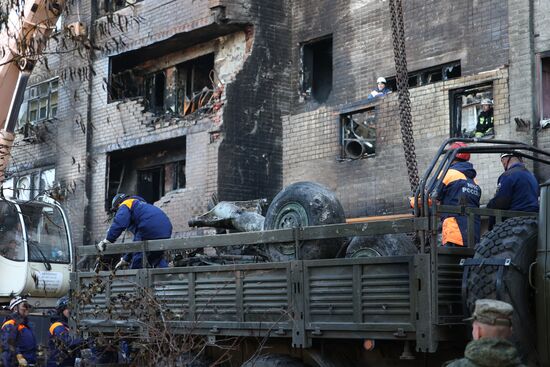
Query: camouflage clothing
[[489, 352]]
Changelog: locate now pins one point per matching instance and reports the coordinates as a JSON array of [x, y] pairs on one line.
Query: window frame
[[308, 51], [454, 117], [356, 141], [34, 97]]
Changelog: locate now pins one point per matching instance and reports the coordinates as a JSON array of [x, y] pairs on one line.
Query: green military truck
[[381, 305]]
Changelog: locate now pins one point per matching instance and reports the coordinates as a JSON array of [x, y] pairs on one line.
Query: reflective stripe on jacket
[[22, 337], [459, 188]]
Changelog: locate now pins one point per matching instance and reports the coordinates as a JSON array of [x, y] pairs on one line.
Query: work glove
[[102, 245], [121, 264], [21, 360]]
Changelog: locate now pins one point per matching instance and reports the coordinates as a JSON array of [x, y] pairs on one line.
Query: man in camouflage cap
[[491, 328]]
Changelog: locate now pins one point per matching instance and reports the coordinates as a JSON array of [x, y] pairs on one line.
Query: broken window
[[317, 69], [155, 91], [29, 185], [147, 171], [40, 103], [193, 84], [179, 89], [429, 75], [358, 133], [545, 91], [472, 111], [110, 6]]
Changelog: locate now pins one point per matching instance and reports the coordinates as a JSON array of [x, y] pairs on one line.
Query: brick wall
[[474, 32], [379, 185]]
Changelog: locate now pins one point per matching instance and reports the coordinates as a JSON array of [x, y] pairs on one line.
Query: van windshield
[[12, 246], [46, 233]]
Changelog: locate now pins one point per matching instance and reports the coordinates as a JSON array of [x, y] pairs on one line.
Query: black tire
[[516, 239], [304, 204], [383, 245], [273, 360]]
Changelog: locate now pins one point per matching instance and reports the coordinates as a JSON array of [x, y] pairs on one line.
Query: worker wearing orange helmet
[[459, 188]]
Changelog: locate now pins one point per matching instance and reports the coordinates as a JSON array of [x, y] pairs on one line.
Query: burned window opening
[[150, 183], [147, 170], [468, 118], [545, 91], [358, 134], [155, 87], [110, 6], [180, 89], [429, 75], [317, 69], [194, 84]]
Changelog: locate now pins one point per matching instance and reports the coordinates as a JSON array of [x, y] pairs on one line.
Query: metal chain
[[398, 35]]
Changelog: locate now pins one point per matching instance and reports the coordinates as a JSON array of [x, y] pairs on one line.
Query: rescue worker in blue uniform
[[517, 187], [381, 89], [459, 188], [145, 221], [18, 340], [63, 347]]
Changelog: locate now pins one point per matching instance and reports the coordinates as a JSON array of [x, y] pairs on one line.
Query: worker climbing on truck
[[18, 339], [145, 221], [459, 188]]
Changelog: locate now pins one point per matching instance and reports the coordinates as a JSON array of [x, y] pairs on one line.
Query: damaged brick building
[[239, 98]]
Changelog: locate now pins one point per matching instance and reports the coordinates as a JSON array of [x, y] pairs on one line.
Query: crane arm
[[22, 41]]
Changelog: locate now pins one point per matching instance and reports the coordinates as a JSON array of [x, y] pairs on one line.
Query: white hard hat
[[509, 154], [487, 101], [381, 80], [16, 301]]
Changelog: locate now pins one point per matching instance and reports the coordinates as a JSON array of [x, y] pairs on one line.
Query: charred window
[[150, 185], [429, 75], [358, 133], [155, 92], [147, 170], [545, 91], [180, 89], [472, 111], [110, 6], [174, 176], [194, 86], [317, 69]]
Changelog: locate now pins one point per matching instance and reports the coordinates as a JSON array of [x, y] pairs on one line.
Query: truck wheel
[[384, 245], [516, 239], [273, 360], [304, 204]]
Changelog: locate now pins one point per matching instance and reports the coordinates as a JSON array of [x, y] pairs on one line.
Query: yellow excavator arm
[[22, 41]]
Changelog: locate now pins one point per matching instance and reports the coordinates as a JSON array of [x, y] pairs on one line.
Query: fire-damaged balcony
[[177, 79]]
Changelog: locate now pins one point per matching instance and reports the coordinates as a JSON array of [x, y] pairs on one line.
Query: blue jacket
[[17, 332], [460, 189], [517, 189], [63, 348], [145, 221], [384, 91]]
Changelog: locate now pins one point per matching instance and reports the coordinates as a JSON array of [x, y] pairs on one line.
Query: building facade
[[187, 99]]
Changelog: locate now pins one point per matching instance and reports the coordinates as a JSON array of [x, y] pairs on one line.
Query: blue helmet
[[117, 200], [62, 304]]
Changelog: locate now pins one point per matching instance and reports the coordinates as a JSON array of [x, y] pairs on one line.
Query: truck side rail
[[296, 235]]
